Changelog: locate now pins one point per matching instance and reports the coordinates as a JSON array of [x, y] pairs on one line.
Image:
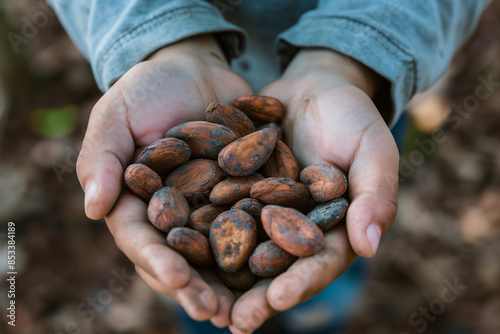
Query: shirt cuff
[[362, 42], [152, 33]]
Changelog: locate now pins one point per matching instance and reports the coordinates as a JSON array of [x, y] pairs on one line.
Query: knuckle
[[257, 317], [144, 246], [246, 323], [308, 266], [129, 240], [144, 251]]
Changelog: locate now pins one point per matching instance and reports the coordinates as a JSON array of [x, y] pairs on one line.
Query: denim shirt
[[408, 42]]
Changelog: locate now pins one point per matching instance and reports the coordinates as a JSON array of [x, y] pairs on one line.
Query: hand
[[331, 120], [175, 85]]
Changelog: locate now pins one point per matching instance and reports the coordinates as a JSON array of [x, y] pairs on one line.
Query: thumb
[[373, 187], [106, 148]]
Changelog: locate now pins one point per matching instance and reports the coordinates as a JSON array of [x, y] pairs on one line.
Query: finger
[[225, 298], [251, 309], [106, 148], [143, 244], [154, 283], [373, 187], [197, 299], [310, 275]]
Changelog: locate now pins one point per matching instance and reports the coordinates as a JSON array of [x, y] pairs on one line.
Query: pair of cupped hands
[[330, 119]]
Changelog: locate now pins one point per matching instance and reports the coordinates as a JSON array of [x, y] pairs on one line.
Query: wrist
[[204, 48], [327, 60]]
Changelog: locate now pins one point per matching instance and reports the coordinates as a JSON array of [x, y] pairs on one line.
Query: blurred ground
[[447, 231]]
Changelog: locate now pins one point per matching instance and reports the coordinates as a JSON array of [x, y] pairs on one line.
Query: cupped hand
[[174, 85], [331, 120]]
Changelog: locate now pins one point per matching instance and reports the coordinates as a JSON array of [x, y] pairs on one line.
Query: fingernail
[[236, 330], [277, 296], [90, 194], [373, 236], [206, 298]]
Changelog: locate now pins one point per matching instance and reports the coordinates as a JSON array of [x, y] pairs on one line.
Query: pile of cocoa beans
[[229, 194]]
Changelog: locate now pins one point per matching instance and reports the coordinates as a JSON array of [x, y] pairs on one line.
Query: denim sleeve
[[114, 35], [409, 42]]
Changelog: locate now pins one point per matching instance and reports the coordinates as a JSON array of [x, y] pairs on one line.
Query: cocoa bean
[[202, 218], [227, 115], [246, 155], [282, 163], [205, 139], [261, 109], [281, 191], [196, 179], [168, 209], [233, 188], [142, 181], [233, 236], [275, 126], [253, 207], [192, 245], [327, 215], [268, 260], [324, 182], [291, 230], [243, 279], [164, 155]]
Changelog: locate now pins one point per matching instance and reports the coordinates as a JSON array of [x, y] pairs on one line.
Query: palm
[[331, 122], [328, 121], [148, 100], [160, 94], [326, 118], [179, 91]]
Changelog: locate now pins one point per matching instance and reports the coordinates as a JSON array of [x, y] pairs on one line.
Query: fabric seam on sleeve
[[384, 39], [144, 26]]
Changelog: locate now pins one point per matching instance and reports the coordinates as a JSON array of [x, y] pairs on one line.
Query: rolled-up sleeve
[[115, 35], [410, 43]]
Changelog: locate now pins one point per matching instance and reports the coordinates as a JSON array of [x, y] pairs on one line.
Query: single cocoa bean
[[268, 260], [249, 205], [205, 139], [164, 155], [233, 188], [281, 191], [261, 109], [243, 279], [291, 230], [142, 181], [246, 155], [233, 236], [168, 209], [196, 179], [282, 163], [192, 245], [231, 117], [327, 215], [202, 218], [324, 182], [253, 207], [275, 126]]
